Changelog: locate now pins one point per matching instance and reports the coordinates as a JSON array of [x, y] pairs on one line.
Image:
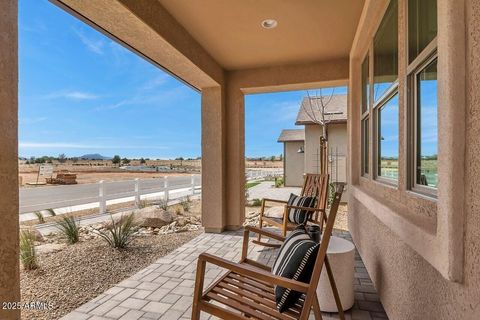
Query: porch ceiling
[[231, 32]]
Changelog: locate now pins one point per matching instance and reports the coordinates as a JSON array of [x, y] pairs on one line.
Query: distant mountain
[[94, 156]]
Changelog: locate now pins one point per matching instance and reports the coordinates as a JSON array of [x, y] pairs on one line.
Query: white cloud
[[74, 95], [27, 121], [95, 46], [155, 82], [287, 111], [77, 95], [162, 97]]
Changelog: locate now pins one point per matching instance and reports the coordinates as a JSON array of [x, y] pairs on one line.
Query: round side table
[[341, 255]]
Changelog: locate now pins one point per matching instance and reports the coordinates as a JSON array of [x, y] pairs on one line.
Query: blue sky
[[267, 114], [80, 93]]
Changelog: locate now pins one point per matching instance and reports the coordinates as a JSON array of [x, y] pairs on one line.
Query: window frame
[[413, 126], [387, 96], [365, 118], [421, 61]]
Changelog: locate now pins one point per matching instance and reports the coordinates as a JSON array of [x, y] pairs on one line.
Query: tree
[[142, 161], [280, 157], [272, 158], [62, 158], [125, 161], [116, 159], [316, 109]]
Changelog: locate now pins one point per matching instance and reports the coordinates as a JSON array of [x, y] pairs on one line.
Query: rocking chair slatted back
[[322, 252], [316, 185]]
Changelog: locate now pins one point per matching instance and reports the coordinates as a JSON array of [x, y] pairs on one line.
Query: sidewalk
[[267, 189]]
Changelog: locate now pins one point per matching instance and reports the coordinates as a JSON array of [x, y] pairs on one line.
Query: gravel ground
[[76, 274], [341, 220]]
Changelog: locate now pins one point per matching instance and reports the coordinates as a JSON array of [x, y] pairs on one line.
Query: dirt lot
[[92, 177], [94, 171]]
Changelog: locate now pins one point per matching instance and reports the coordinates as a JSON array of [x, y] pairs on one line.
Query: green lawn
[[252, 184]]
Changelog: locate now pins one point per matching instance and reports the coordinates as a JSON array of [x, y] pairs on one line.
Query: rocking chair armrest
[[253, 272], [305, 208], [274, 200], [263, 232]]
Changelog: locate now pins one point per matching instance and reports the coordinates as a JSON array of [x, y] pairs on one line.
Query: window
[[365, 85], [388, 139], [365, 115], [385, 48], [427, 131], [423, 104], [385, 97], [365, 149], [422, 25]]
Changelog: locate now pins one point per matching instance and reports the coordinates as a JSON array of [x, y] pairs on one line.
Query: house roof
[[336, 109], [290, 135]]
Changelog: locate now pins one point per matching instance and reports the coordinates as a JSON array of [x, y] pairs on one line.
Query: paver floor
[[164, 290]]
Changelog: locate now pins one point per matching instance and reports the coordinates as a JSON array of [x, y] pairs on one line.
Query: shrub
[[256, 202], [119, 233], [40, 217], [27, 250], [69, 226], [178, 211], [143, 204], [331, 192], [163, 204], [186, 204], [278, 182]]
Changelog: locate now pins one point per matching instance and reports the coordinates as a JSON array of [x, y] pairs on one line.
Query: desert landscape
[[92, 171]]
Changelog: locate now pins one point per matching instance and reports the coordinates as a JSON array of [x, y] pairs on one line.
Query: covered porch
[[164, 290], [420, 249]]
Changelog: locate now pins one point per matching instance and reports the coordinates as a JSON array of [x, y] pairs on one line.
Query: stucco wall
[[312, 140], [9, 263], [337, 141], [294, 164], [409, 286]]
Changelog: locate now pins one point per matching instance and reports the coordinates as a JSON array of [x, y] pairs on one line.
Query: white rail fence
[[262, 174], [126, 191]]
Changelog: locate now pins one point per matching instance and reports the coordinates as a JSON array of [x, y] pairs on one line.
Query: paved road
[[32, 199]]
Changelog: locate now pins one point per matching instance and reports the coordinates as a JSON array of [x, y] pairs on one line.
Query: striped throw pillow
[[300, 216], [295, 260]]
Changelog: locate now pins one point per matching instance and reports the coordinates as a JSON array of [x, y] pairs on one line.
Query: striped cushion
[[299, 216], [295, 260]]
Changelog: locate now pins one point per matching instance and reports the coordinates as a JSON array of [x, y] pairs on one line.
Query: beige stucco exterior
[[293, 166], [337, 144], [423, 254], [9, 262]]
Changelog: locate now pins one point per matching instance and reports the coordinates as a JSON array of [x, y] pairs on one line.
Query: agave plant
[[186, 204], [163, 204], [51, 212], [119, 233], [69, 226], [27, 250], [40, 217]]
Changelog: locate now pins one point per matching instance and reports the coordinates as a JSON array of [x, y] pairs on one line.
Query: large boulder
[[37, 236], [153, 216]]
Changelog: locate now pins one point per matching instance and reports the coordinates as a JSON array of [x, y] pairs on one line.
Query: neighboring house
[[309, 161], [293, 156]]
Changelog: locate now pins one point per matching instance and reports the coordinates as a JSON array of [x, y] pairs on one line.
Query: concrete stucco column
[[235, 156], [9, 263], [213, 160]]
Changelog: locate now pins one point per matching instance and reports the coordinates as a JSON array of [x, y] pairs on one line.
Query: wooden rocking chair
[[314, 185], [246, 290]]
